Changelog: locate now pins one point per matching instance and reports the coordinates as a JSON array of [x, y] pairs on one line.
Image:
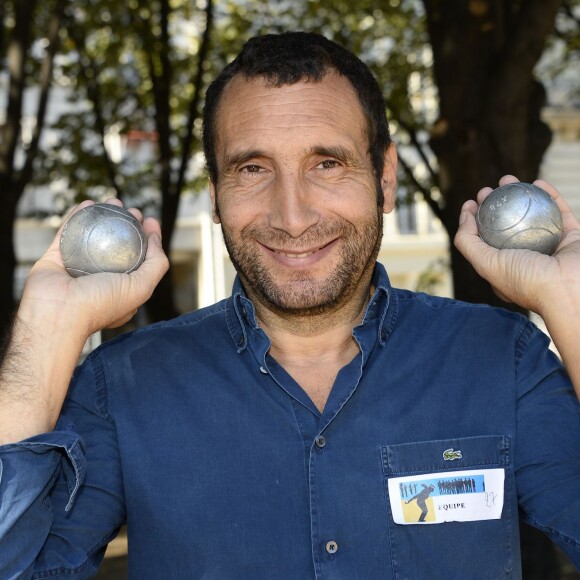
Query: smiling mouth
[[299, 255]]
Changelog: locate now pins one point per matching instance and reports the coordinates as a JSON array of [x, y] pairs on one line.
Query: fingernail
[[462, 217]]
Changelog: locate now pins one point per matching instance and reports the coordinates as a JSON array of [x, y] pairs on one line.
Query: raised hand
[[532, 280], [547, 285], [57, 313], [99, 300]]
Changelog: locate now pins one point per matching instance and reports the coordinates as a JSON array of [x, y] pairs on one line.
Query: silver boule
[[102, 238], [520, 216]]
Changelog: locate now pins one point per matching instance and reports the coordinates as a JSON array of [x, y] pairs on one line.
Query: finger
[[133, 210], [507, 179], [484, 192], [151, 226], [156, 262], [569, 220], [468, 242], [114, 201]]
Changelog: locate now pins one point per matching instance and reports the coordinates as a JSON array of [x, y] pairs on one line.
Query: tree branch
[[422, 189], [94, 96], [2, 30], [161, 81], [193, 112], [420, 149], [45, 86], [523, 48], [17, 49]]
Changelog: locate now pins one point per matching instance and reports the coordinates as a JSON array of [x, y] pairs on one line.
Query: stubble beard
[[302, 295]]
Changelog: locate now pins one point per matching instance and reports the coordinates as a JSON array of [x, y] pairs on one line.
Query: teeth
[[304, 255]]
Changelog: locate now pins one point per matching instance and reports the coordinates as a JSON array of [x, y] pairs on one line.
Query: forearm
[[39, 361]]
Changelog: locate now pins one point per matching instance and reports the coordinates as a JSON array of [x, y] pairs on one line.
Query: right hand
[[91, 303]]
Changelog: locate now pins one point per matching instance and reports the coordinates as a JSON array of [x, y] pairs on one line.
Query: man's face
[[296, 195]]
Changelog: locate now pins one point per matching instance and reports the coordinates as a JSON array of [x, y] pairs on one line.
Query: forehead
[[253, 112]]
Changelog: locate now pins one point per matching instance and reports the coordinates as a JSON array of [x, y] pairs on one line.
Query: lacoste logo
[[452, 454]]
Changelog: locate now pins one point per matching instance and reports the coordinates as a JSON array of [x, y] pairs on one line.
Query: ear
[[215, 210], [389, 179]]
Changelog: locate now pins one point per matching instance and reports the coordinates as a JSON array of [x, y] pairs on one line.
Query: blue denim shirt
[[223, 468]]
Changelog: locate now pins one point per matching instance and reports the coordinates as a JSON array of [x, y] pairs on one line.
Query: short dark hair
[[291, 57]]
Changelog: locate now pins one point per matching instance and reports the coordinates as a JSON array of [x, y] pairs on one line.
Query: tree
[[489, 124], [29, 37], [138, 73]]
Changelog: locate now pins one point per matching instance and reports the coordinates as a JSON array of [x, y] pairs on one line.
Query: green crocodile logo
[[452, 454]]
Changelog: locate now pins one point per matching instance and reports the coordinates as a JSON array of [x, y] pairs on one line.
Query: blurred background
[[103, 98]]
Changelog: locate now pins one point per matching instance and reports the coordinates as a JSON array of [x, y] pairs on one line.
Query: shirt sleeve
[[61, 493], [548, 444]]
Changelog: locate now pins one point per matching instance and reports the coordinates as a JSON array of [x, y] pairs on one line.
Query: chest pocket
[[431, 475]]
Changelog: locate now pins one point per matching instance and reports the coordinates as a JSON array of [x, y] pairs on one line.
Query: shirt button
[[263, 371], [331, 547], [320, 441]]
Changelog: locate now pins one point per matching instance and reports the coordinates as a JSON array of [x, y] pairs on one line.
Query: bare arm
[[57, 314], [547, 285]]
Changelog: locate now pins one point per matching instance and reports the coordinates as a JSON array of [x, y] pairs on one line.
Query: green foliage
[[123, 71], [112, 49], [130, 77]]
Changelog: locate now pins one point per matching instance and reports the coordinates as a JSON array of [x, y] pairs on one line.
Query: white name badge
[[453, 496]]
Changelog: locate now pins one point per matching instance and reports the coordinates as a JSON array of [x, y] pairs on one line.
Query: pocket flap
[[446, 454]]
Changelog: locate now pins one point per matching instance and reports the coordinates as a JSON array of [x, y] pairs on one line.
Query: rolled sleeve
[[61, 493], [29, 471]]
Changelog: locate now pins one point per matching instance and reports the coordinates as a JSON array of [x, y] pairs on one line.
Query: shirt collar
[[380, 312]]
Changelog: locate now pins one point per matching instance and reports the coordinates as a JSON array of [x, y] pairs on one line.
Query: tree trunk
[[484, 53], [7, 257], [490, 105], [161, 305]]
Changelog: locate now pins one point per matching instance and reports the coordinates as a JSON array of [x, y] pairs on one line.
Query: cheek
[[352, 193], [236, 207], [237, 219]]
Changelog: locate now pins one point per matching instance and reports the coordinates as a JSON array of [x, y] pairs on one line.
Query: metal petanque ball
[[102, 238], [520, 216]]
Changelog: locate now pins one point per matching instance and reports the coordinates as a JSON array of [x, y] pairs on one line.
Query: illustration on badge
[[423, 502], [418, 497]]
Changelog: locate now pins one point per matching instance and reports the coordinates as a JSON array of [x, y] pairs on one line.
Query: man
[[268, 436]]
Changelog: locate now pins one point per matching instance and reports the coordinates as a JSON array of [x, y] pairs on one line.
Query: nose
[[293, 205]]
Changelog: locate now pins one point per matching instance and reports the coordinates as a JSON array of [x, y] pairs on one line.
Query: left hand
[[532, 280]]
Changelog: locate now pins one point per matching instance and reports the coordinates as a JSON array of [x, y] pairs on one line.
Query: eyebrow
[[236, 157], [336, 151]]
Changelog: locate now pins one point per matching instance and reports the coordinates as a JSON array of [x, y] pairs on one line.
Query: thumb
[[468, 242]]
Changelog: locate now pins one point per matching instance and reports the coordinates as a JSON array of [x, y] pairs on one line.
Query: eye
[[251, 168], [328, 164]]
